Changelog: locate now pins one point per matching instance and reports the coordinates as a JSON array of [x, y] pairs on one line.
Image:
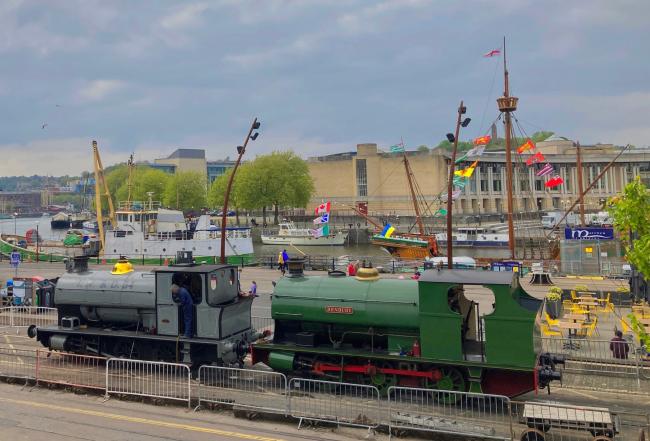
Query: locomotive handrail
[[337, 299]]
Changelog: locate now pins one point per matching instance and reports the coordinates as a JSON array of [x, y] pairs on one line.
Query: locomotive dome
[[122, 266]]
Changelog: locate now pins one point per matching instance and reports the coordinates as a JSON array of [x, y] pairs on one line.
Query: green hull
[[30, 256]]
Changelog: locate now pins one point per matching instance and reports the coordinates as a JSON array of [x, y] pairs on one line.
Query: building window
[[362, 178], [556, 202], [484, 184], [496, 183], [524, 184], [539, 185]]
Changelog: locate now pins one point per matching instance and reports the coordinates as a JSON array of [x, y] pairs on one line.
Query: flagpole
[[508, 104], [450, 185]]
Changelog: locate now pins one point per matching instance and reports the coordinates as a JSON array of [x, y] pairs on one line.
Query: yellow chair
[[574, 297], [567, 305], [550, 321], [548, 332], [590, 328], [625, 328], [606, 305]]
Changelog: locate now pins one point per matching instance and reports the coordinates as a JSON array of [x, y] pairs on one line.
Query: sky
[[321, 75]]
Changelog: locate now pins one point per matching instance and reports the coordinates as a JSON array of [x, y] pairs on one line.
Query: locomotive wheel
[[452, 380], [532, 435], [602, 438], [125, 349], [383, 381]]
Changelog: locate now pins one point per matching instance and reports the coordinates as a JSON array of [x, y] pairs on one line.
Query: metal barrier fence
[[413, 409], [590, 364], [16, 317], [17, 363], [458, 413], [263, 323], [169, 381], [341, 403], [70, 369], [247, 388]]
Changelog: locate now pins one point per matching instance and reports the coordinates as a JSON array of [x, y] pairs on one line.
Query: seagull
[[43, 126]]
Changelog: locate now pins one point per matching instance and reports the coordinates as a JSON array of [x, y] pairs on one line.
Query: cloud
[[99, 89], [185, 17], [56, 157]]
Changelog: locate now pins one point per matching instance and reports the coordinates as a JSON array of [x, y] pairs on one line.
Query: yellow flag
[[468, 172]]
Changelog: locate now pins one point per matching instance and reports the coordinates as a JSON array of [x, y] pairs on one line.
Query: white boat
[[475, 237], [459, 261], [148, 232], [89, 225], [289, 234]]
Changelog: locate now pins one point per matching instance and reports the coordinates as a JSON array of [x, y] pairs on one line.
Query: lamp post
[[240, 150], [451, 137], [15, 217]]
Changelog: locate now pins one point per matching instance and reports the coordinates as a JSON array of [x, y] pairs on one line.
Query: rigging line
[[489, 96]]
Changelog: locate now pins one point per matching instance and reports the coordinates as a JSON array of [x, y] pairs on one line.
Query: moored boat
[[289, 234], [147, 232], [60, 221]]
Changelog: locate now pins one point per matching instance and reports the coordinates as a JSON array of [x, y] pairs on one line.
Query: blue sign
[[14, 258], [588, 233]]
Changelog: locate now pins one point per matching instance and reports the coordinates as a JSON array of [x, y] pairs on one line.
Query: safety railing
[[70, 369], [467, 415], [16, 317], [244, 388], [449, 412], [595, 365], [262, 324], [17, 363], [170, 381], [340, 403]]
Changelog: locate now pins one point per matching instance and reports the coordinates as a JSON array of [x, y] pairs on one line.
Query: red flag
[[537, 157], [528, 145], [492, 53], [554, 181], [483, 140], [323, 208]]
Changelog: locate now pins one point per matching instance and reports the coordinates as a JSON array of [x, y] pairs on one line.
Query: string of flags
[[323, 220], [543, 168]]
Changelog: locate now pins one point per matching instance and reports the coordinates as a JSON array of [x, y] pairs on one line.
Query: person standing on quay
[[281, 262], [619, 346], [285, 257]]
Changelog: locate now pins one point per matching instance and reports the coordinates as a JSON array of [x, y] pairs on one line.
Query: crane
[[100, 183]]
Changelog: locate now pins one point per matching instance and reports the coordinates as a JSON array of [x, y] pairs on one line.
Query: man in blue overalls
[[182, 295]]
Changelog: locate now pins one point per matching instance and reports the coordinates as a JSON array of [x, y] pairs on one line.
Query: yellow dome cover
[[122, 266]]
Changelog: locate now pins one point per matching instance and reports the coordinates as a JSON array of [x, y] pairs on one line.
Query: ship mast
[[580, 184], [409, 177], [508, 104]]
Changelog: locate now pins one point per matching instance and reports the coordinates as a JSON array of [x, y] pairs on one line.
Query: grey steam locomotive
[[131, 314]]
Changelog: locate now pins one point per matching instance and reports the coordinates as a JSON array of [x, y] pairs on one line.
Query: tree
[[217, 191], [463, 146], [422, 148], [145, 180], [631, 214], [278, 179], [186, 190]]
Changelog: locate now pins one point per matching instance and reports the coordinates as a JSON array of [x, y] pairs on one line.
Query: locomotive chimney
[[296, 266], [78, 264]]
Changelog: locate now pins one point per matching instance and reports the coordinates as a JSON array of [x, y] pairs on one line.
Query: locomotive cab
[[218, 312]]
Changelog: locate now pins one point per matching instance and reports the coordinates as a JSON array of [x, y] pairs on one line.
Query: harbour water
[[21, 225]]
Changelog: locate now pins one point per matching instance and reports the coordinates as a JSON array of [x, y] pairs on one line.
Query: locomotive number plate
[[339, 310]]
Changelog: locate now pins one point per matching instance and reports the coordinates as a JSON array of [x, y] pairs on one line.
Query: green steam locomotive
[[425, 333]]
